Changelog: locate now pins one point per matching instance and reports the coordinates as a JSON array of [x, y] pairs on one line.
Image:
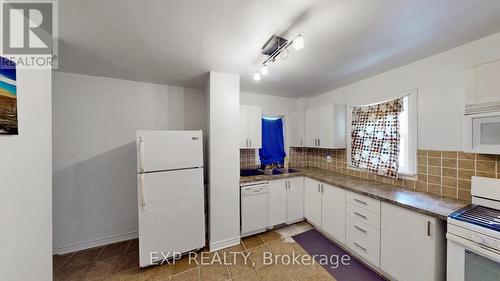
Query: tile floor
[[119, 262]]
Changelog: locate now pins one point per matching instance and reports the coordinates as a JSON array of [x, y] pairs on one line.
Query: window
[[273, 142], [407, 159]]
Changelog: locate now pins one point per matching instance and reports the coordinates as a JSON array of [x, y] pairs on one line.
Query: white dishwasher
[[254, 208]]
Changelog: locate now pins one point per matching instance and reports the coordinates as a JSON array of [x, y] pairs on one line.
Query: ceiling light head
[[284, 54], [256, 76], [298, 42], [264, 70]]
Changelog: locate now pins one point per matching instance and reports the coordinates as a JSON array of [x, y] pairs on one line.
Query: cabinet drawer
[[362, 201], [366, 230], [364, 247], [363, 215]]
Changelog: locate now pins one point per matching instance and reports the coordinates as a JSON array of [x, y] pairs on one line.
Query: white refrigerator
[[170, 194]]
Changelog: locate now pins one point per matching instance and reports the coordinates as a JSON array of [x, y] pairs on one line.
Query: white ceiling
[[177, 42]]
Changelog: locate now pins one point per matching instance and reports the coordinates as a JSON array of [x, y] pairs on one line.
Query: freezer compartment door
[[171, 213], [168, 150]]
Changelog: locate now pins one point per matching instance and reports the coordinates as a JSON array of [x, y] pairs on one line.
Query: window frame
[[412, 138]]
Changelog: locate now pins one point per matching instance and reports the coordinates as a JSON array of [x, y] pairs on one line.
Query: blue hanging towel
[[273, 144]]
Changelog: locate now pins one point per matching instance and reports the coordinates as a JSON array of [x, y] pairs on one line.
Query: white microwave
[[482, 133]]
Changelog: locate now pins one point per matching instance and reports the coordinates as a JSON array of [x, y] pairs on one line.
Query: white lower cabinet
[[333, 211], [369, 232], [324, 207], [277, 202], [312, 201], [286, 201], [364, 247], [405, 245], [363, 226], [295, 200], [412, 245]]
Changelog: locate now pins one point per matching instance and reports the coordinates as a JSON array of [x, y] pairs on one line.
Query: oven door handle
[[479, 249]]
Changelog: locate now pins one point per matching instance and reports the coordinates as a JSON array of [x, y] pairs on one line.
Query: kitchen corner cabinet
[[324, 207], [286, 201], [325, 126], [250, 126], [312, 201], [412, 245], [296, 127]]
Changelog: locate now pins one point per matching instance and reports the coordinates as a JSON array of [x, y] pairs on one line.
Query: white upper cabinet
[[326, 126], [243, 126], [483, 83], [296, 129], [250, 126], [311, 128]]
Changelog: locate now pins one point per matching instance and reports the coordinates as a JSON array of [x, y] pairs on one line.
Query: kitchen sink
[[256, 172], [286, 171], [251, 172]]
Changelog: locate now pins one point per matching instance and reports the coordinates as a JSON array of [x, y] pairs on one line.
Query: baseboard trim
[[215, 246], [59, 250]]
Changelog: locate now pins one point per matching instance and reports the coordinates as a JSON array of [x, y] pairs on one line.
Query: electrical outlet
[[329, 158]]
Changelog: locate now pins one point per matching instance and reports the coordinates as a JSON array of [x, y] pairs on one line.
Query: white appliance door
[[171, 213], [254, 208], [486, 133], [168, 150]]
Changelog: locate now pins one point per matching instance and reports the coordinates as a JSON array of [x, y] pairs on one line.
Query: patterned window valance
[[375, 137]]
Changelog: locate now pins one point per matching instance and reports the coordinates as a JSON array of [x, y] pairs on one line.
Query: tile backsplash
[[446, 173], [247, 159]]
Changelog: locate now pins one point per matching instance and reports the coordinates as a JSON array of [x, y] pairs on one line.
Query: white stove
[[473, 235]]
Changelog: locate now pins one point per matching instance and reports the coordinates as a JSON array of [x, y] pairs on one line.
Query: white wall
[[94, 172], [26, 184], [224, 180], [440, 81], [271, 105]]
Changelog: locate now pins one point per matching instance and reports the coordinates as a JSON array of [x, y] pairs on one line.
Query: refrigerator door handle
[[141, 154], [141, 192]]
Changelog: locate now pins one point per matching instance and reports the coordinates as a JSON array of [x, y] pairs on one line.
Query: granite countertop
[[425, 203]]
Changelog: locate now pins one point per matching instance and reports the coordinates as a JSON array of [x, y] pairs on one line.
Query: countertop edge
[[311, 175]]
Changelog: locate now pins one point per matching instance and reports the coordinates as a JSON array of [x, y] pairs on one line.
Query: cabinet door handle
[[250, 142], [141, 193], [360, 229], [319, 142], [141, 154], [362, 248], [360, 215], [318, 187], [322, 188], [300, 142], [428, 228], [361, 202]]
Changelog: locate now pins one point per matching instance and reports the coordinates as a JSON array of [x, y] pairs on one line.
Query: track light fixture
[[277, 46]]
